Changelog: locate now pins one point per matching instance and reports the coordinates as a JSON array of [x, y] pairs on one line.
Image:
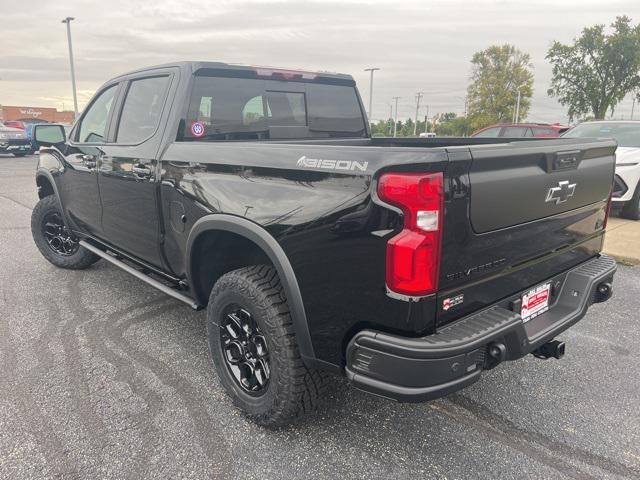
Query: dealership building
[[45, 114]]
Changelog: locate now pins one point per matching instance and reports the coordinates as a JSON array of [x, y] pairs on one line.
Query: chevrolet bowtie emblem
[[561, 193]]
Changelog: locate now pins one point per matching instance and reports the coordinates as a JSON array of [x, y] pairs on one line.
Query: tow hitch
[[554, 349]]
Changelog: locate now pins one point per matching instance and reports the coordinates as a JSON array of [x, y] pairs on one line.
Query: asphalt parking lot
[[104, 377]]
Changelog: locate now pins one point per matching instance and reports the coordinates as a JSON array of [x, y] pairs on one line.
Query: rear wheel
[[632, 209], [56, 243], [254, 348]]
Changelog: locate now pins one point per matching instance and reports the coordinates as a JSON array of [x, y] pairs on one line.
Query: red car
[[518, 130]]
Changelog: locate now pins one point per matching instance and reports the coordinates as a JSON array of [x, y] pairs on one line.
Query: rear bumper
[[15, 146], [418, 369]]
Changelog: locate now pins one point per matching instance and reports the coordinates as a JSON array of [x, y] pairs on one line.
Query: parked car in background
[[14, 140], [15, 124], [518, 130], [626, 191], [26, 125]]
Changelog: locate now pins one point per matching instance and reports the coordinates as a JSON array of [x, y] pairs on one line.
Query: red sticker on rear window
[[197, 129]]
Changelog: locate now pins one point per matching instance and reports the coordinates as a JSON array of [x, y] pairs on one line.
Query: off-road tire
[[632, 209], [293, 389], [79, 260]]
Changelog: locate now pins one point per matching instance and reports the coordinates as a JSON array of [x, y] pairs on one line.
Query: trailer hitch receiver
[[554, 349]]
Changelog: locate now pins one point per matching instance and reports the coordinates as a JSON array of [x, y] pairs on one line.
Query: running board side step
[[145, 278]]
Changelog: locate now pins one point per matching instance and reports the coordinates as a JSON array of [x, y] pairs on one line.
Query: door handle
[[89, 161], [141, 170]]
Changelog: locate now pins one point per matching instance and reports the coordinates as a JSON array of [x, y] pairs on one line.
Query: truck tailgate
[[518, 183], [531, 210]]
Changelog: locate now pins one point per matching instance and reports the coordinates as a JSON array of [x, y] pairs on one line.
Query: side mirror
[[47, 135]]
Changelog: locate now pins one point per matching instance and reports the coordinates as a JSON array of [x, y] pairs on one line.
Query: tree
[[407, 128], [450, 125], [595, 73], [496, 75]]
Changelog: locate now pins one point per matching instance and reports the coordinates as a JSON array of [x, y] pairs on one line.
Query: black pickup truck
[[407, 265]]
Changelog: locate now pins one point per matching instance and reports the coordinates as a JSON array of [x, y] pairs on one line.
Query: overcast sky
[[419, 45]]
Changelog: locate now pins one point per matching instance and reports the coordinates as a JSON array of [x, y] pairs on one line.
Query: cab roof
[[194, 67]]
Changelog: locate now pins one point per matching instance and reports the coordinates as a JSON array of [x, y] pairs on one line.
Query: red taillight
[[413, 256]]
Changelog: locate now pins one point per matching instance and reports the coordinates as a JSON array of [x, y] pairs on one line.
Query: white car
[[626, 193]]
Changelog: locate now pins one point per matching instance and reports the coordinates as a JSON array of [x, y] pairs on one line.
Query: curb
[[623, 260]]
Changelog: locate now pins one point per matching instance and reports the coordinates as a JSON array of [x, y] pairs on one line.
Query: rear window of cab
[[223, 108]]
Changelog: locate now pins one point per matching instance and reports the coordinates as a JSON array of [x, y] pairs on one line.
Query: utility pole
[[426, 121], [73, 72], [415, 125], [371, 89], [633, 107], [395, 118], [518, 106]]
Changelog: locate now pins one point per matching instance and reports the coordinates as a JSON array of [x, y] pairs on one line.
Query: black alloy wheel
[[57, 236], [245, 350]]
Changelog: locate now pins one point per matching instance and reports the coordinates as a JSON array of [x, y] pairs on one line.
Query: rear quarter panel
[[326, 221]]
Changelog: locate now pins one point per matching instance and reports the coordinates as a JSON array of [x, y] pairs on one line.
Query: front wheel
[[54, 240], [254, 348]]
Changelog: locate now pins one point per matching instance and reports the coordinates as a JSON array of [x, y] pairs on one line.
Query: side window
[[94, 123], [528, 133], [142, 109], [514, 132], [545, 132], [489, 132]]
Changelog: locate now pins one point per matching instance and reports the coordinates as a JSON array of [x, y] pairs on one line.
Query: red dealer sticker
[[447, 303], [197, 129], [535, 302]]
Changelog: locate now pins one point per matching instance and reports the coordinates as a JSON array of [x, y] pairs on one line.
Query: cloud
[[420, 45]]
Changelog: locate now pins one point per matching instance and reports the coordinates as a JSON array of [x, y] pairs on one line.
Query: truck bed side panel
[[334, 235]]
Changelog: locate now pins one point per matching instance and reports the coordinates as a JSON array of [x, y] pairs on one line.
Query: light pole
[[73, 72], [373, 69], [395, 118], [415, 125]]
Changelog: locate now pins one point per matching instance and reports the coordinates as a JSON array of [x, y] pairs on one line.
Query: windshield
[[626, 134]]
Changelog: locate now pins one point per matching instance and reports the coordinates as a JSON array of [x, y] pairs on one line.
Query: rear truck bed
[[516, 246]]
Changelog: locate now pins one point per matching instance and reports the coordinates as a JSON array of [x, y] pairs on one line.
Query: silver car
[[14, 140]]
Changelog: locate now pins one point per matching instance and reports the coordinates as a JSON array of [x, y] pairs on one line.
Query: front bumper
[[418, 369], [625, 183]]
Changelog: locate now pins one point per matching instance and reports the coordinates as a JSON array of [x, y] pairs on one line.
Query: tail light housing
[[413, 255]]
